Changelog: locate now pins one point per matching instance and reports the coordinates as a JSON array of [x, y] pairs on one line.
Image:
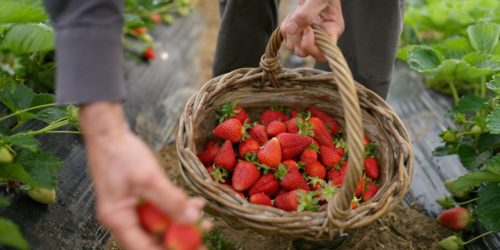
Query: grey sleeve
[[88, 50]]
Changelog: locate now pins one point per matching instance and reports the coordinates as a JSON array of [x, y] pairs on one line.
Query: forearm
[[102, 121]]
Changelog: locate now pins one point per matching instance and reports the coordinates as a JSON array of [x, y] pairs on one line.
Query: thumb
[[305, 15]]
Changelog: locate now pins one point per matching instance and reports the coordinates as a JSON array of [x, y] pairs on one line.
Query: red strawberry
[[249, 145], [328, 156], [140, 30], [230, 110], [275, 128], [266, 184], [371, 168], [338, 181], [210, 143], [315, 143], [315, 184], [273, 114], [219, 174], [281, 192], [245, 175], [270, 154], [230, 130], [225, 157], [290, 164], [182, 237], [149, 53], [289, 201], [152, 219], [291, 179], [370, 191], [259, 133], [316, 170], [156, 18], [327, 120], [354, 203], [321, 134], [339, 151], [457, 218], [366, 141], [293, 144], [291, 126], [294, 113], [262, 199], [231, 187], [337, 172], [207, 157], [360, 187]]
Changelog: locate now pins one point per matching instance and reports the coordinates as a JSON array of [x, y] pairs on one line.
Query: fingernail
[[304, 35], [292, 27]]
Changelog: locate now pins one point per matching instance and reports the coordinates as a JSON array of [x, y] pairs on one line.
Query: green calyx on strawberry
[[219, 174], [305, 127], [307, 201], [370, 148], [313, 147], [328, 191], [459, 119], [315, 182], [450, 137], [300, 165], [228, 111], [445, 202], [281, 171]]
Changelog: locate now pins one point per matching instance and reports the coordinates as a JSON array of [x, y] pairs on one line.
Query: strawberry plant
[[22, 163]]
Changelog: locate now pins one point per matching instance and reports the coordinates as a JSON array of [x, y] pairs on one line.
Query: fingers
[[305, 15], [308, 43]]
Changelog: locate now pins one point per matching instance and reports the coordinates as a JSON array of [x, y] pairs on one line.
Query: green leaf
[[23, 97], [488, 141], [4, 130], [49, 114], [16, 11], [402, 53], [41, 166], [494, 84], [29, 38], [459, 69], [455, 48], [484, 36], [468, 103], [470, 159], [10, 235], [482, 61], [424, 59], [133, 21], [476, 177], [14, 171], [488, 206], [4, 202], [493, 121], [23, 140], [443, 151]]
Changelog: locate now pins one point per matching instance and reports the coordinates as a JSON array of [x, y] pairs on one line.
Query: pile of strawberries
[[292, 164]]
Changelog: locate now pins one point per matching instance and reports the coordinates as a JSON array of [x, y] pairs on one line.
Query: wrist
[[103, 120]]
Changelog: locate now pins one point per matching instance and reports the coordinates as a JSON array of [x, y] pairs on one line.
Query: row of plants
[[455, 44], [27, 75]]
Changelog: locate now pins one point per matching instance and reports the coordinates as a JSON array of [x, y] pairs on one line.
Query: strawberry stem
[[466, 202], [198, 222], [467, 242]]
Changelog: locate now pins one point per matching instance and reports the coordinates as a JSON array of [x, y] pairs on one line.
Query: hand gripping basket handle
[[340, 208]]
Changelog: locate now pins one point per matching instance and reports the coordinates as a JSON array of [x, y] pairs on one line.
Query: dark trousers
[[369, 42]]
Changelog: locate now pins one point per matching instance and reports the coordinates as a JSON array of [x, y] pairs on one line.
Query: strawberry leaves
[[227, 111], [308, 201], [491, 173], [488, 208], [10, 235], [468, 103]]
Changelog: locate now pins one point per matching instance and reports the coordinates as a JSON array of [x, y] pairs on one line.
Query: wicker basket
[[356, 108]]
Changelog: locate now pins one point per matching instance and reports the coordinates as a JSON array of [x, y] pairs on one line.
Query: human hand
[[298, 34], [124, 170]]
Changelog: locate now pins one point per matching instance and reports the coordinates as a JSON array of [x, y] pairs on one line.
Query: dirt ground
[[403, 228]]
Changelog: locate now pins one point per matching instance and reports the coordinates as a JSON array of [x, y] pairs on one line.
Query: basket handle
[[341, 205]]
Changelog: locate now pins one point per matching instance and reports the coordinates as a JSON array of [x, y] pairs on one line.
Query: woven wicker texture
[[357, 109]]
